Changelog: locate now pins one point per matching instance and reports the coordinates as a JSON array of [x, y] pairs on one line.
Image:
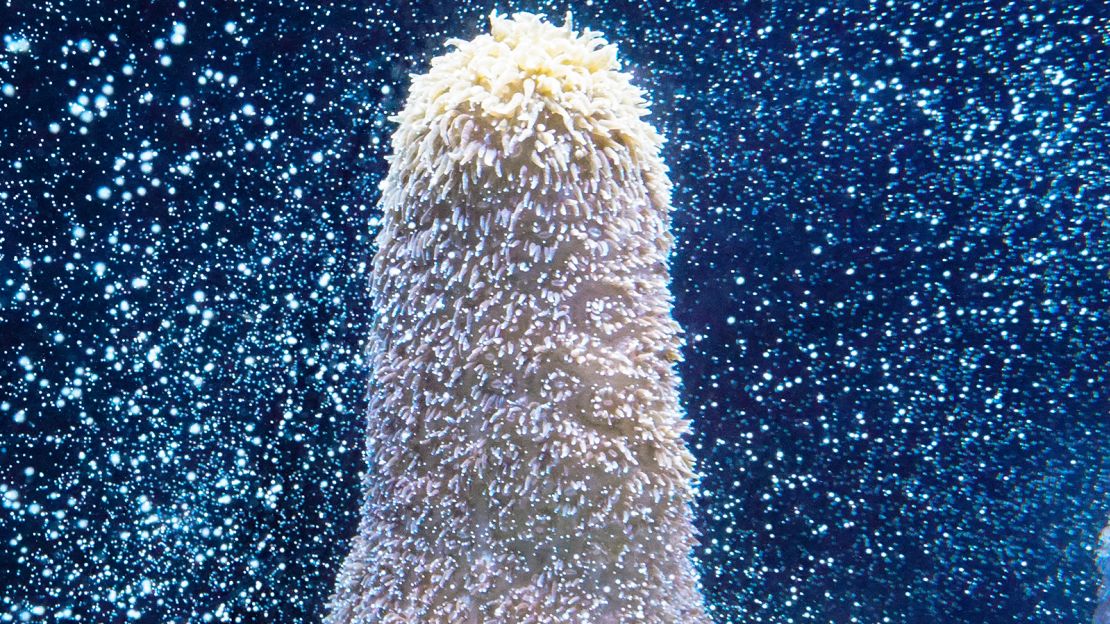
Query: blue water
[[891, 268]]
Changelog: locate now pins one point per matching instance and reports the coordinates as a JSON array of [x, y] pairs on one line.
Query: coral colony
[[527, 462], [889, 266]]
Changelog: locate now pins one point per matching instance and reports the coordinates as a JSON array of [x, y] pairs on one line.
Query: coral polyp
[[525, 443]]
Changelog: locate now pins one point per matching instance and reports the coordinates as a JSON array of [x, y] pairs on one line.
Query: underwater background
[[891, 269]]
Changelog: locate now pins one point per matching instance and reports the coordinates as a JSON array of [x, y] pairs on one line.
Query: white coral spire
[[526, 459]]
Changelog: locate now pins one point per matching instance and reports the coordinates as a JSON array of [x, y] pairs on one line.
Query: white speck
[[103, 193], [178, 36], [16, 44]]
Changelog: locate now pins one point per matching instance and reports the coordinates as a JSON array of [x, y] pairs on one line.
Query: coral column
[[525, 440]]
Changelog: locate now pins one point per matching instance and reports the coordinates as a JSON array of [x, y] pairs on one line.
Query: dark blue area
[[891, 268]]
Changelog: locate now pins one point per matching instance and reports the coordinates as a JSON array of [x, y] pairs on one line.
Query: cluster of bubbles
[[891, 268]]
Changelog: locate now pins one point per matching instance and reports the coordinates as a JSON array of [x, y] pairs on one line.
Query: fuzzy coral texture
[[525, 440]]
